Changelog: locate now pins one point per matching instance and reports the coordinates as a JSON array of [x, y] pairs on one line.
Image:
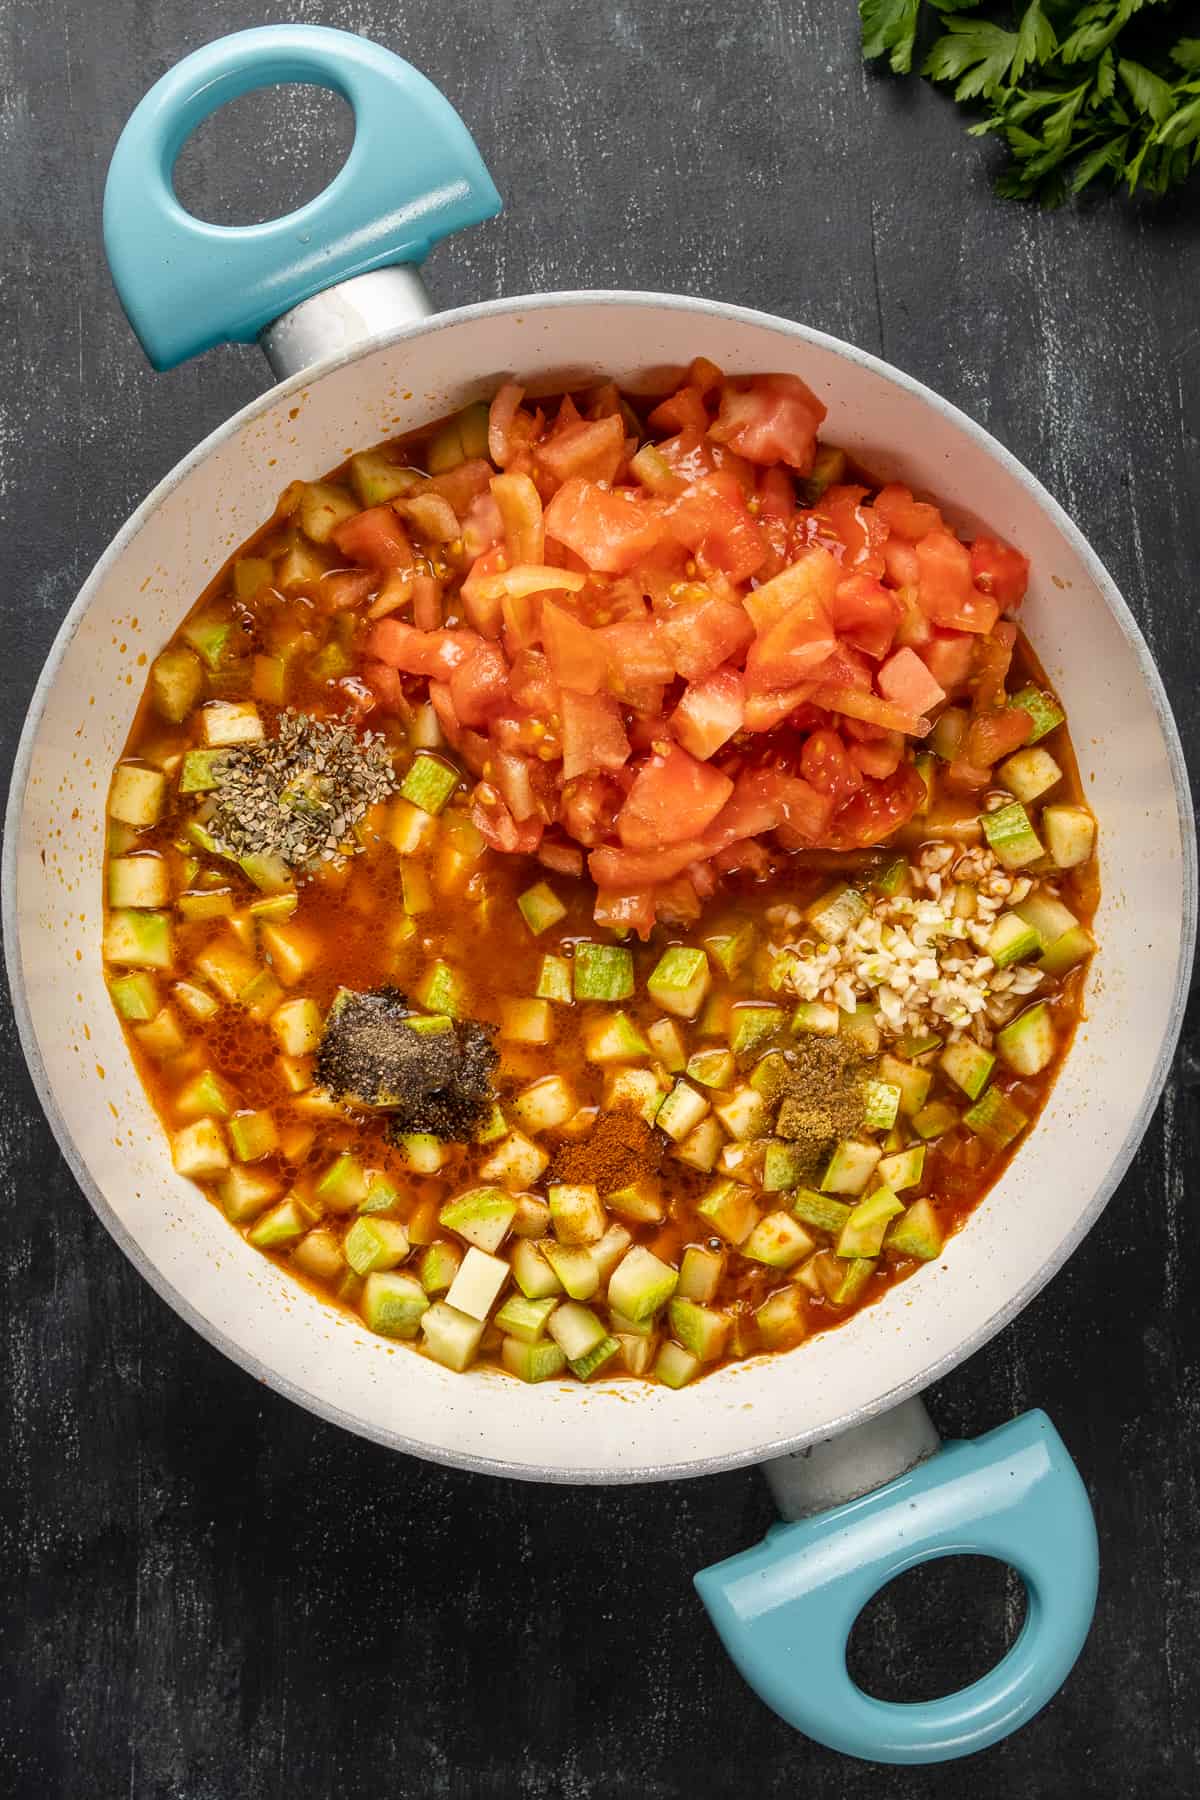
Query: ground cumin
[[818, 1090], [618, 1149]]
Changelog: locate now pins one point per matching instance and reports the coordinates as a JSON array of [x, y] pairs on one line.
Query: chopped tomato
[[810, 581], [576, 652], [964, 777], [900, 563], [949, 656], [503, 440], [345, 587], [859, 705], [610, 529], [594, 450], [495, 823], [905, 679], [384, 683], [483, 526], [860, 529], [447, 718], [638, 654], [435, 654], [881, 758], [479, 684], [770, 419], [945, 588], [513, 775], [626, 912], [630, 870], [427, 603], [905, 517], [875, 813], [673, 797], [682, 411], [764, 711], [593, 734], [705, 633], [481, 603], [827, 765], [532, 683], [464, 485], [865, 614], [711, 519], [564, 859], [710, 712], [776, 494], [590, 804], [798, 644], [1000, 571], [996, 734], [990, 665], [375, 537]]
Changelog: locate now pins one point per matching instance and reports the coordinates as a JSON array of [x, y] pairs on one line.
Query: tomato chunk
[[907, 518], [948, 655], [593, 735], [945, 589], [770, 419], [479, 684], [576, 652], [594, 450], [866, 614], [1000, 571], [905, 679], [710, 712], [996, 734], [375, 537], [611, 529], [673, 797], [704, 634], [435, 654]]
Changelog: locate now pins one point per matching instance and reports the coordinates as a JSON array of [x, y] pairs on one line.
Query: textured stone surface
[[208, 1595]]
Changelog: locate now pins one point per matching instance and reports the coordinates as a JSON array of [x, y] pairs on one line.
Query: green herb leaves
[[1077, 92]]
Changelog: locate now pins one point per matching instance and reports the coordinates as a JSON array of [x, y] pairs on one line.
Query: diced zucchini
[[613, 1037], [209, 634], [914, 1084], [576, 1213], [633, 1090], [381, 1197], [292, 949], [584, 1367], [576, 1330], [227, 722], [538, 1361], [297, 1025], [269, 680], [462, 437], [730, 1210], [716, 1020], [440, 990], [451, 1337], [1073, 947], [429, 782], [675, 1367], [1011, 939], [213, 903], [903, 1169], [769, 1073], [743, 1114], [836, 912], [680, 982], [479, 1283], [968, 1065], [392, 1304], [162, 1036], [493, 1127], [893, 879], [782, 1165], [540, 907], [410, 829], [852, 1280], [261, 996], [682, 1109], [525, 1319], [996, 1119], [702, 1146], [139, 940], [603, 972], [819, 1211], [526, 1021], [376, 480], [1029, 1043], [319, 1256], [269, 873], [1047, 915], [206, 1096], [712, 1068], [438, 1266], [640, 1201], [554, 980], [1070, 834], [323, 507], [282, 1227], [200, 771], [376, 1243], [778, 1241], [782, 1320], [136, 997], [861, 1027], [244, 1193], [137, 795], [482, 1215], [637, 1353], [700, 1329], [252, 1135], [532, 1217], [607, 1252], [343, 1186], [881, 1103], [532, 1273], [546, 1104], [862, 1234], [850, 1167], [815, 1017], [516, 1163], [751, 1027], [1011, 837], [934, 1120], [918, 1232], [199, 1150], [700, 1273], [1042, 708], [731, 949], [641, 1284], [1030, 773], [176, 683]]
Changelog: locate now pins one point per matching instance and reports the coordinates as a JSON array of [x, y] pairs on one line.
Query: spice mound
[[428, 1073], [299, 794], [817, 1088], [618, 1149]]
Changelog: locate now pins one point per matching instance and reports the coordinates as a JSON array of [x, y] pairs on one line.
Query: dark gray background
[[209, 1595]]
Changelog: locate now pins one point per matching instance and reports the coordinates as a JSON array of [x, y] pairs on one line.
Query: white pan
[[361, 357]]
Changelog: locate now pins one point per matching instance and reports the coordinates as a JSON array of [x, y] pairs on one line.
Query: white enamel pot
[[334, 294]]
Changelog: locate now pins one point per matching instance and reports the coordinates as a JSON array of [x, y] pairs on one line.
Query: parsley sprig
[[1060, 84]]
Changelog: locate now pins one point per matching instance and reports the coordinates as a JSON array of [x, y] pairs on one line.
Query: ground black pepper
[[375, 1053]]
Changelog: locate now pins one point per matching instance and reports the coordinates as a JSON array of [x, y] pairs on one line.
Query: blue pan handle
[[413, 176], [785, 1609]]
